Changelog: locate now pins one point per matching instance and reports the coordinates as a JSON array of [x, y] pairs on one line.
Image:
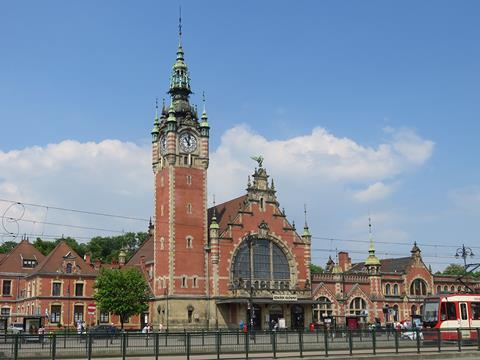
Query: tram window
[[463, 311], [475, 311], [448, 312]]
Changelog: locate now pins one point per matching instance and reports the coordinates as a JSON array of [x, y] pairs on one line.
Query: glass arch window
[[322, 309], [395, 289], [418, 287], [269, 262], [358, 306]]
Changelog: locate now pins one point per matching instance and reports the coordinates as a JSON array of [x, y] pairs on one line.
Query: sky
[[360, 109]]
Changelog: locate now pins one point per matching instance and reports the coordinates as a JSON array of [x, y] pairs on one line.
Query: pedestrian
[[160, 327]]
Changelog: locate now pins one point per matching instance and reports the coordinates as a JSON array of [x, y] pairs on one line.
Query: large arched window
[[269, 264], [358, 306], [322, 308], [418, 287]]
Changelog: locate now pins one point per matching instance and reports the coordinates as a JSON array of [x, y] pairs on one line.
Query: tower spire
[[372, 259], [306, 230]]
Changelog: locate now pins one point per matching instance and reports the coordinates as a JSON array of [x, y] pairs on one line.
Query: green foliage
[[123, 292], [454, 269], [44, 246], [7, 246], [316, 269], [101, 248], [106, 249]]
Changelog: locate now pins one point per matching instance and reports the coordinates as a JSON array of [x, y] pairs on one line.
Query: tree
[[123, 292], [44, 246], [454, 269], [106, 249], [316, 269], [7, 246]]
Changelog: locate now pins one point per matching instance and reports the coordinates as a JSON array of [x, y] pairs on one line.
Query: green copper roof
[[214, 224]]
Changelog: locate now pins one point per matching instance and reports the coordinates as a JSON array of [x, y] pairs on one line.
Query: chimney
[[87, 258], [344, 261]]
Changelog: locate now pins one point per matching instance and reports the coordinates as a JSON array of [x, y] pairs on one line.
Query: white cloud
[[320, 156], [374, 192], [110, 176], [115, 177]]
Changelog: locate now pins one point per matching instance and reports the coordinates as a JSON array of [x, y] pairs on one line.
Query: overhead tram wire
[[386, 242], [63, 225], [76, 210]]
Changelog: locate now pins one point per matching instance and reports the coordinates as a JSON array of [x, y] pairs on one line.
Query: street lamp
[[249, 241], [463, 253]]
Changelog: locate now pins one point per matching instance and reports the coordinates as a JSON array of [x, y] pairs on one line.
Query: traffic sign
[[91, 308]]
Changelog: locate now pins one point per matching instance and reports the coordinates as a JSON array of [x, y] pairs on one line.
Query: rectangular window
[[189, 179], [104, 318], [78, 313], [29, 263], [189, 208], [56, 288], [184, 282], [194, 282], [7, 287], [55, 313], [449, 312], [475, 310], [463, 311], [5, 312], [79, 289]]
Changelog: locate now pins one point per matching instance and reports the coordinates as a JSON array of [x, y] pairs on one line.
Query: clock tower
[[180, 156]]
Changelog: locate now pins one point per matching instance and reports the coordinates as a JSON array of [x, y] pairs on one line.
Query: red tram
[[453, 314]]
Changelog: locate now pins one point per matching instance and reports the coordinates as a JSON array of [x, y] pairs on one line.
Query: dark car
[[103, 331]]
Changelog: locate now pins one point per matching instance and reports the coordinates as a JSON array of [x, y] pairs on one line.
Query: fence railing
[[321, 343]]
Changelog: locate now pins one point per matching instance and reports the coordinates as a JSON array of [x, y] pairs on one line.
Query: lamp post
[[463, 253], [250, 272]]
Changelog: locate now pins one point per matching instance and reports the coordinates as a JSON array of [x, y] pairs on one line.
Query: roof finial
[[214, 209], [305, 212], [180, 26], [156, 109], [203, 100]]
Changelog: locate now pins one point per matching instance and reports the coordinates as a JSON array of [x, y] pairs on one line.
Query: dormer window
[[29, 263], [68, 268]]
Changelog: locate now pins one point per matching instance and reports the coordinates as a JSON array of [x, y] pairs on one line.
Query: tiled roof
[[398, 265], [53, 262], [226, 211], [13, 261], [145, 250]]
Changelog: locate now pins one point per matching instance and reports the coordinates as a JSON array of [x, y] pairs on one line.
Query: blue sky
[[364, 71]]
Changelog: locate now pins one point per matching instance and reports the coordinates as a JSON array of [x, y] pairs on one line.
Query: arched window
[[322, 308], [69, 268], [418, 287], [439, 289], [395, 313], [387, 289], [459, 288], [445, 288], [413, 310], [358, 306], [395, 289], [269, 264], [452, 289]]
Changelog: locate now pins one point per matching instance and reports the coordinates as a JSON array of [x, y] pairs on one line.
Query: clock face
[[188, 142], [163, 144]]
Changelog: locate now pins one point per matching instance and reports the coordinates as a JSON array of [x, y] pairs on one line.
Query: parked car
[[103, 331], [15, 329]]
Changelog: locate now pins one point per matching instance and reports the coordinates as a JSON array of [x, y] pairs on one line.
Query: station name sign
[[284, 297]]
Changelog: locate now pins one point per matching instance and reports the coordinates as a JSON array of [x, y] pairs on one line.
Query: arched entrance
[[275, 313], [298, 318]]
